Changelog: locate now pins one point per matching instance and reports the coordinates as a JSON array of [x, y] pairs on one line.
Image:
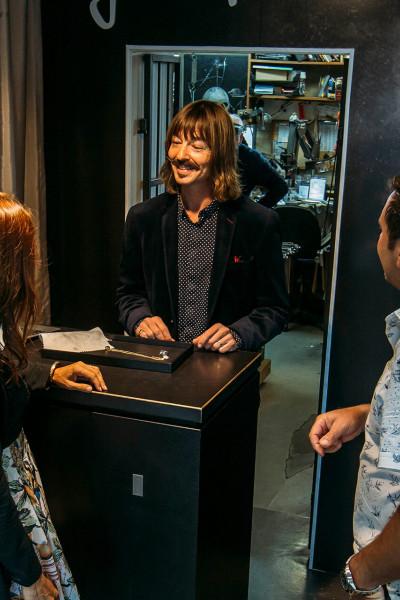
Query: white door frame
[[134, 79]]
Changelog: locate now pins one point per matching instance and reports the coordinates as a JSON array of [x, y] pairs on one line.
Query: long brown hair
[[210, 122], [18, 257]]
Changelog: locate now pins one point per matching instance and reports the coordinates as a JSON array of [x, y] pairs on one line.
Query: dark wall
[[84, 73]]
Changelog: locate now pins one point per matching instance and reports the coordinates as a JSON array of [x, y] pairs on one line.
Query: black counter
[[150, 485]]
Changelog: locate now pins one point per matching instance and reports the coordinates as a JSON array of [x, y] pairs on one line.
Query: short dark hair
[[392, 214]]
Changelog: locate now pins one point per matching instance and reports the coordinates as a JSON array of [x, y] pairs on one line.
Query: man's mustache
[[188, 161]]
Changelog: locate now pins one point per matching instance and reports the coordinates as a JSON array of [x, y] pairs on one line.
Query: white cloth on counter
[[76, 341]]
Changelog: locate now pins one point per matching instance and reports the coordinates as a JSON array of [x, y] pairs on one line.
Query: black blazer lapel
[[169, 232], [223, 241]]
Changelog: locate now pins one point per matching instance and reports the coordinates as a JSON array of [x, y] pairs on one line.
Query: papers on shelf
[[267, 73], [264, 89]]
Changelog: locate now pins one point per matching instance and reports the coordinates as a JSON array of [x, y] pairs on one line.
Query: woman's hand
[[43, 589], [67, 377]]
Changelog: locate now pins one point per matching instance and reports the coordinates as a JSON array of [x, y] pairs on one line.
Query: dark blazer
[[247, 288], [18, 560]]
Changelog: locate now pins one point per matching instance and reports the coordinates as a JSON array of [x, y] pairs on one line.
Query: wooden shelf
[[313, 69], [296, 98], [309, 63]]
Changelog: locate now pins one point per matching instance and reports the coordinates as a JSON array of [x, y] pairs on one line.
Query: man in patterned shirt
[[201, 263], [374, 570]]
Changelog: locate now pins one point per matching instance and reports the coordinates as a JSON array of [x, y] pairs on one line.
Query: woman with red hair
[[32, 565]]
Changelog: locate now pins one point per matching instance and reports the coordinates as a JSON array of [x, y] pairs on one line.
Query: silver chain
[[162, 356]]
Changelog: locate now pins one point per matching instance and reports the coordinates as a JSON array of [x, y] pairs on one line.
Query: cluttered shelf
[[293, 109], [289, 63], [307, 81], [296, 98]]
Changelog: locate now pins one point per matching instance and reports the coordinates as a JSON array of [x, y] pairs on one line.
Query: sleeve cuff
[[53, 367], [136, 325], [237, 338], [134, 320]]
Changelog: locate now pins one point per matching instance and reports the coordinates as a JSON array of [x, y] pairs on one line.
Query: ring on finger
[[140, 331]]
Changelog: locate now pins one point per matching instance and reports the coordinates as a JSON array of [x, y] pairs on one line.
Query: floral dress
[[27, 491]]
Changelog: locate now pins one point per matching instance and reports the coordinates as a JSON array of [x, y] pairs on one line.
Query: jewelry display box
[[132, 353]]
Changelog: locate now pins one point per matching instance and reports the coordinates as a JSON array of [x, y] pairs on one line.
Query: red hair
[[18, 258]]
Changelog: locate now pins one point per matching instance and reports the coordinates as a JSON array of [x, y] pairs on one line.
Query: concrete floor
[[284, 472]]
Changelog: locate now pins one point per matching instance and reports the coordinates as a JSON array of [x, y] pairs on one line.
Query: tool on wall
[[216, 70]]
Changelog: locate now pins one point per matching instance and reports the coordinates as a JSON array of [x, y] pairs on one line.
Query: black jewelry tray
[[177, 352]]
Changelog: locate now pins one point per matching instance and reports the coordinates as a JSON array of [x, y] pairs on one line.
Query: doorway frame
[[133, 102]]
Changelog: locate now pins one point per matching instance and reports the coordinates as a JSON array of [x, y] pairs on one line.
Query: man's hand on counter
[[217, 338], [67, 377], [153, 328]]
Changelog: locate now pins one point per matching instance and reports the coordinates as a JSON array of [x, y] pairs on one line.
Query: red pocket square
[[242, 259]]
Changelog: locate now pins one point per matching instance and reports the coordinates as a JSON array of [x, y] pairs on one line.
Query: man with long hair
[[201, 263]]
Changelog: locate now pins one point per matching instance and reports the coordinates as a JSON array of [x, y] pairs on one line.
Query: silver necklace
[[163, 354]]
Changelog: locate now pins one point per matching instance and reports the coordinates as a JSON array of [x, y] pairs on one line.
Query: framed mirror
[[294, 104]]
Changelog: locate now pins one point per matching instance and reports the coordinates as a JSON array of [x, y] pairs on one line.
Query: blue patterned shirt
[[378, 487]]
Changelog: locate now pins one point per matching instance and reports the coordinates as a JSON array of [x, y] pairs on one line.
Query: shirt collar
[[204, 214], [393, 327]]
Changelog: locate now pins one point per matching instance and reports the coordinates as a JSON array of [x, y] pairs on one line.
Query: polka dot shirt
[[196, 244]]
